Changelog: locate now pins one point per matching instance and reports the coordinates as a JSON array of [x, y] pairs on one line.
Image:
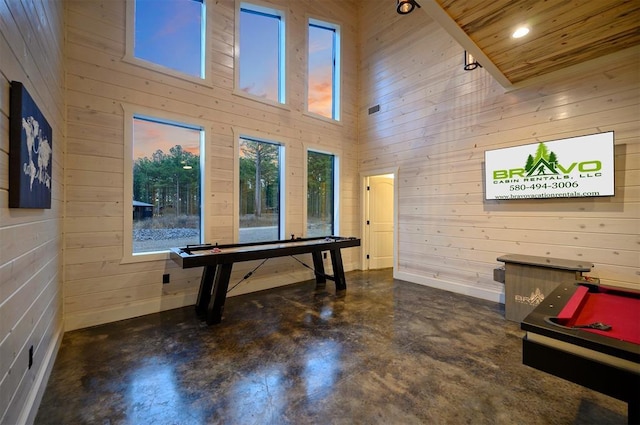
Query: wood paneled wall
[[31, 51], [436, 121], [100, 288], [434, 124]]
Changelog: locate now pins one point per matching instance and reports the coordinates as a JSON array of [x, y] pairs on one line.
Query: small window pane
[[166, 186], [170, 33], [259, 191], [260, 55], [321, 71], [320, 194]]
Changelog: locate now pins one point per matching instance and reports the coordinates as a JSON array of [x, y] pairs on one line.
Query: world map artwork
[[39, 154], [31, 152]]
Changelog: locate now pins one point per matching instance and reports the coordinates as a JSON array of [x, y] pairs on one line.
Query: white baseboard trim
[[447, 285], [30, 410], [85, 319]]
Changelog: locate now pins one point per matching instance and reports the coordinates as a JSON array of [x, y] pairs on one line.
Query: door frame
[[364, 179]]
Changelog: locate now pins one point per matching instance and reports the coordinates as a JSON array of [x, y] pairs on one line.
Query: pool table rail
[[598, 362]]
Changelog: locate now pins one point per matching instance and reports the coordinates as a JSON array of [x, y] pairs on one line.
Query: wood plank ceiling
[[563, 32]]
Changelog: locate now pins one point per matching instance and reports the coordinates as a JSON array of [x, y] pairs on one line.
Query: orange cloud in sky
[[320, 100], [181, 18], [151, 136]]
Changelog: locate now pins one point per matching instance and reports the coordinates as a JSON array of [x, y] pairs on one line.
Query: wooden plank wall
[[31, 51], [436, 121], [98, 287]]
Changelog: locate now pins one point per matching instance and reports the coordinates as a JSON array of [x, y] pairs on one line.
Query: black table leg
[[318, 267], [338, 270], [219, 293], [633, 412], [204, 293]]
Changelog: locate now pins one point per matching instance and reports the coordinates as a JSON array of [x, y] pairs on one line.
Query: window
[[323, 65], [261, 53], [171, 33], [261, 194], [321, 194], [166, 185]]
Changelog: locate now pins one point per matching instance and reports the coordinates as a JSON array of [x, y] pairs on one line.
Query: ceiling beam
[[435, 11]]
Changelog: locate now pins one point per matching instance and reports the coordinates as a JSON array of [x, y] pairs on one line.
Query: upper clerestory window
[[168, 35], [323, 69], [260, 54]]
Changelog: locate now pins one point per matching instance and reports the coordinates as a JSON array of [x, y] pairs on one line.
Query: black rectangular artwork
[[30, 152]]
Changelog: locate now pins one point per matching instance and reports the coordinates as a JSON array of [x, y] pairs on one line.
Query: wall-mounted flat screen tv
[[568, 168]]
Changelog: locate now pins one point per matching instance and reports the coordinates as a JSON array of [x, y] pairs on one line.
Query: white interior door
[[380, 221]]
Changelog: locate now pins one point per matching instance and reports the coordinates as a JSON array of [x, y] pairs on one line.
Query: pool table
[[590, 335], [218, 260]]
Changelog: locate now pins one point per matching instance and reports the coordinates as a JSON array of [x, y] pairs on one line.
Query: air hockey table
[[218, 261]]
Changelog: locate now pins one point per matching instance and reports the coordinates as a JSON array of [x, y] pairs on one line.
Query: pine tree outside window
[[166, 204], [321, 194], [260, 191]]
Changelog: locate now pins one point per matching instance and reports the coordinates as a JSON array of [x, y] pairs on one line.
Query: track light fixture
[[404, 7], [470, 62]]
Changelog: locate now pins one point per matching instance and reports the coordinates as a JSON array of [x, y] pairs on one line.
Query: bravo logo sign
[[545, 163], [575, 167], [534, 299]]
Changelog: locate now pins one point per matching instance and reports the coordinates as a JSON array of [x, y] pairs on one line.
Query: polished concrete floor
[[384, 352]]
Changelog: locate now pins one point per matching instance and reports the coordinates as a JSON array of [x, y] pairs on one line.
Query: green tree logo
[[543, 163]]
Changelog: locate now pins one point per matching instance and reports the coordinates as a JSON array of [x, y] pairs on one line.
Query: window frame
[[336, 188], [251, 135], [129, 56], [337, 73], [163, 117], [283, 92]]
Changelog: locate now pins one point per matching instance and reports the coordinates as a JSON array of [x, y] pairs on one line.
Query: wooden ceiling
[[563, 32]]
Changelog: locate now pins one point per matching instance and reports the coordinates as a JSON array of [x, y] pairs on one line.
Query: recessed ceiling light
[[520, 32]]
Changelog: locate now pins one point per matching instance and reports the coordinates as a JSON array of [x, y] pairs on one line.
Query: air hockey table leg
[[318, 267], [204, 293], [219, 293], [338, 270]]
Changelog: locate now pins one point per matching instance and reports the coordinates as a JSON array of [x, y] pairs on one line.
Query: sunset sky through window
[[169, 33], [320, 79], [150, 136], [259, 54]]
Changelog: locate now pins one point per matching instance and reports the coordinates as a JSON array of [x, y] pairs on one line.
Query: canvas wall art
[[30, 152]]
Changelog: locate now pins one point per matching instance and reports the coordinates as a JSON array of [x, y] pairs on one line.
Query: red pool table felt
[[615, 307]]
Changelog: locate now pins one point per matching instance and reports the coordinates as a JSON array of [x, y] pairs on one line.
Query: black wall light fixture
[[406, 6], [470, 62]]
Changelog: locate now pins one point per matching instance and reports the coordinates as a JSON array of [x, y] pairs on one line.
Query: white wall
[[434, 124], [99, 286], [31, 51], [436, 121]]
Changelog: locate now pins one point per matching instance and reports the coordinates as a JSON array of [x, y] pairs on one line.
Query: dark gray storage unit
[[529, 279]]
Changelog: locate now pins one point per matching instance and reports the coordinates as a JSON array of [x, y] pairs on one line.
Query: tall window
[[323, 84], [260, 190], [170, 33], [166, 185], [262, 53], [321, 171]]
